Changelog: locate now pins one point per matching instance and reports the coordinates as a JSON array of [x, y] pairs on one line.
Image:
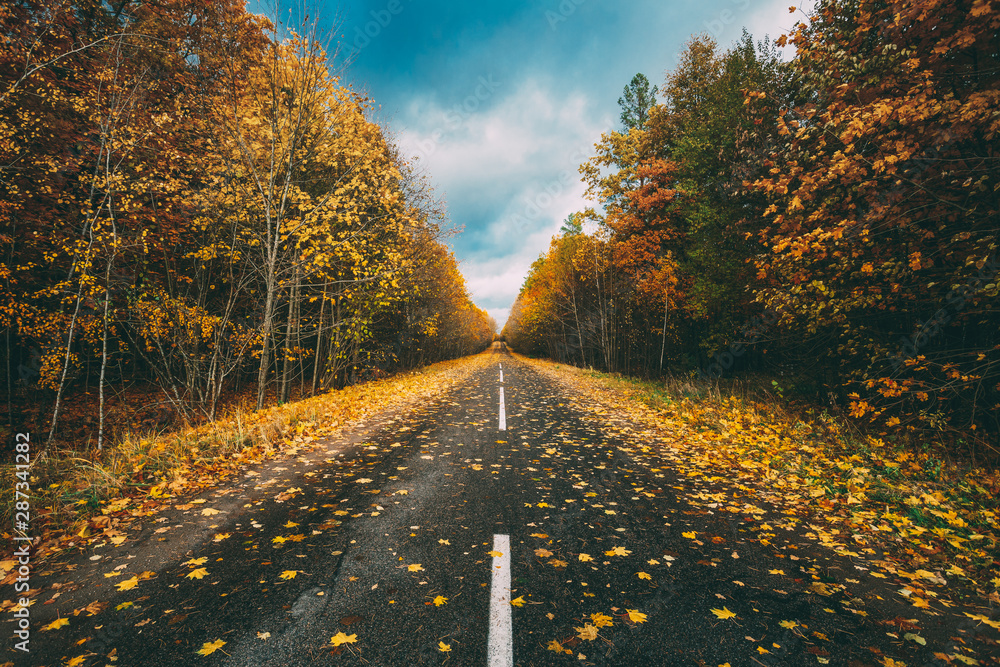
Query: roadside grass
[[855, 492], [72, 492]]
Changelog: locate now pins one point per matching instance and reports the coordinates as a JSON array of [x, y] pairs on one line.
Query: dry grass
[[66, 488]]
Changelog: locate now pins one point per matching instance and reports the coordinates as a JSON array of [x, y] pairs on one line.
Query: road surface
[[405, 543]]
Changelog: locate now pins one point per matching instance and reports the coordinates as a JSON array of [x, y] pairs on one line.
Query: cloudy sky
[[502, 100]]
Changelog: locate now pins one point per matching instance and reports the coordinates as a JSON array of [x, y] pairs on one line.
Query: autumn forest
[[196, 214], [745, 409], [192, 204], [829, 221]]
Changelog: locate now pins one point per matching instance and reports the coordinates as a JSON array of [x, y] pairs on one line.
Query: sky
[[501, 101]]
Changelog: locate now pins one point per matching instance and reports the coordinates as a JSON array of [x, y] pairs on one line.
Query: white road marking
[[500, 649], [501, 375], [503, 417]]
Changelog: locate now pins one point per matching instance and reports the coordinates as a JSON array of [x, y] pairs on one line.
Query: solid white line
[[503, 417], [500, 649]]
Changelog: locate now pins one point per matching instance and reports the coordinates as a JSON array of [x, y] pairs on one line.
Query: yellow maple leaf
[[209, 648], [540, 535], [789, 624], [588, 632], [690, 534], [197, 574], [195, 562], [643, 575], [557, 647], [984, 619], [518, 601], [776, 571], [585, 558], [416, 567], [221, 536], [445, 542], [75, 662], [635, 616], [440, 600], [555, 562], [341, 638], [543, 553], [128, 584], [724, 613], [617, 551], [494, 554], [288, 574], [600, 620], [56, 624], [444, 648], [290, 524]]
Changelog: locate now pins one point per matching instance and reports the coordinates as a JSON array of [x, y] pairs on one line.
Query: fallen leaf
[[210, 647], [635, 616], [600, 620], [724, 613], [56, 624], [128, 584], [341, 638]]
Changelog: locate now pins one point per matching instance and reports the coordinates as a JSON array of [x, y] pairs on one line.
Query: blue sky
[[501, 101]]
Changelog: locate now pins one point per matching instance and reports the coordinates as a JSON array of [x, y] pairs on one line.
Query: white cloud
[[508, 158]]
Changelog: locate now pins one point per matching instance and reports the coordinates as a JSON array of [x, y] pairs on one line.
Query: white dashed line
[[503, 417], [501, 375], [500, 649]]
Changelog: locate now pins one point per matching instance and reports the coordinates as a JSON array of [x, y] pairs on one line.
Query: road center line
[[503, 417], [500, 651], [501, 375]]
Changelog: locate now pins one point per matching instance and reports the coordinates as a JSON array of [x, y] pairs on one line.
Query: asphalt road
[[388, 541]]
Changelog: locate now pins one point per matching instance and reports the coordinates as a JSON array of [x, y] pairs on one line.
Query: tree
[[636, 101], [882, 223]]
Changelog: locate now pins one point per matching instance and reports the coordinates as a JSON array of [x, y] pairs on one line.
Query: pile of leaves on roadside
[[78, 502], [911, 515]]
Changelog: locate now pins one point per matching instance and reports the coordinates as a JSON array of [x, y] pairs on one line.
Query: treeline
[[832, 219], [189, 198]]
